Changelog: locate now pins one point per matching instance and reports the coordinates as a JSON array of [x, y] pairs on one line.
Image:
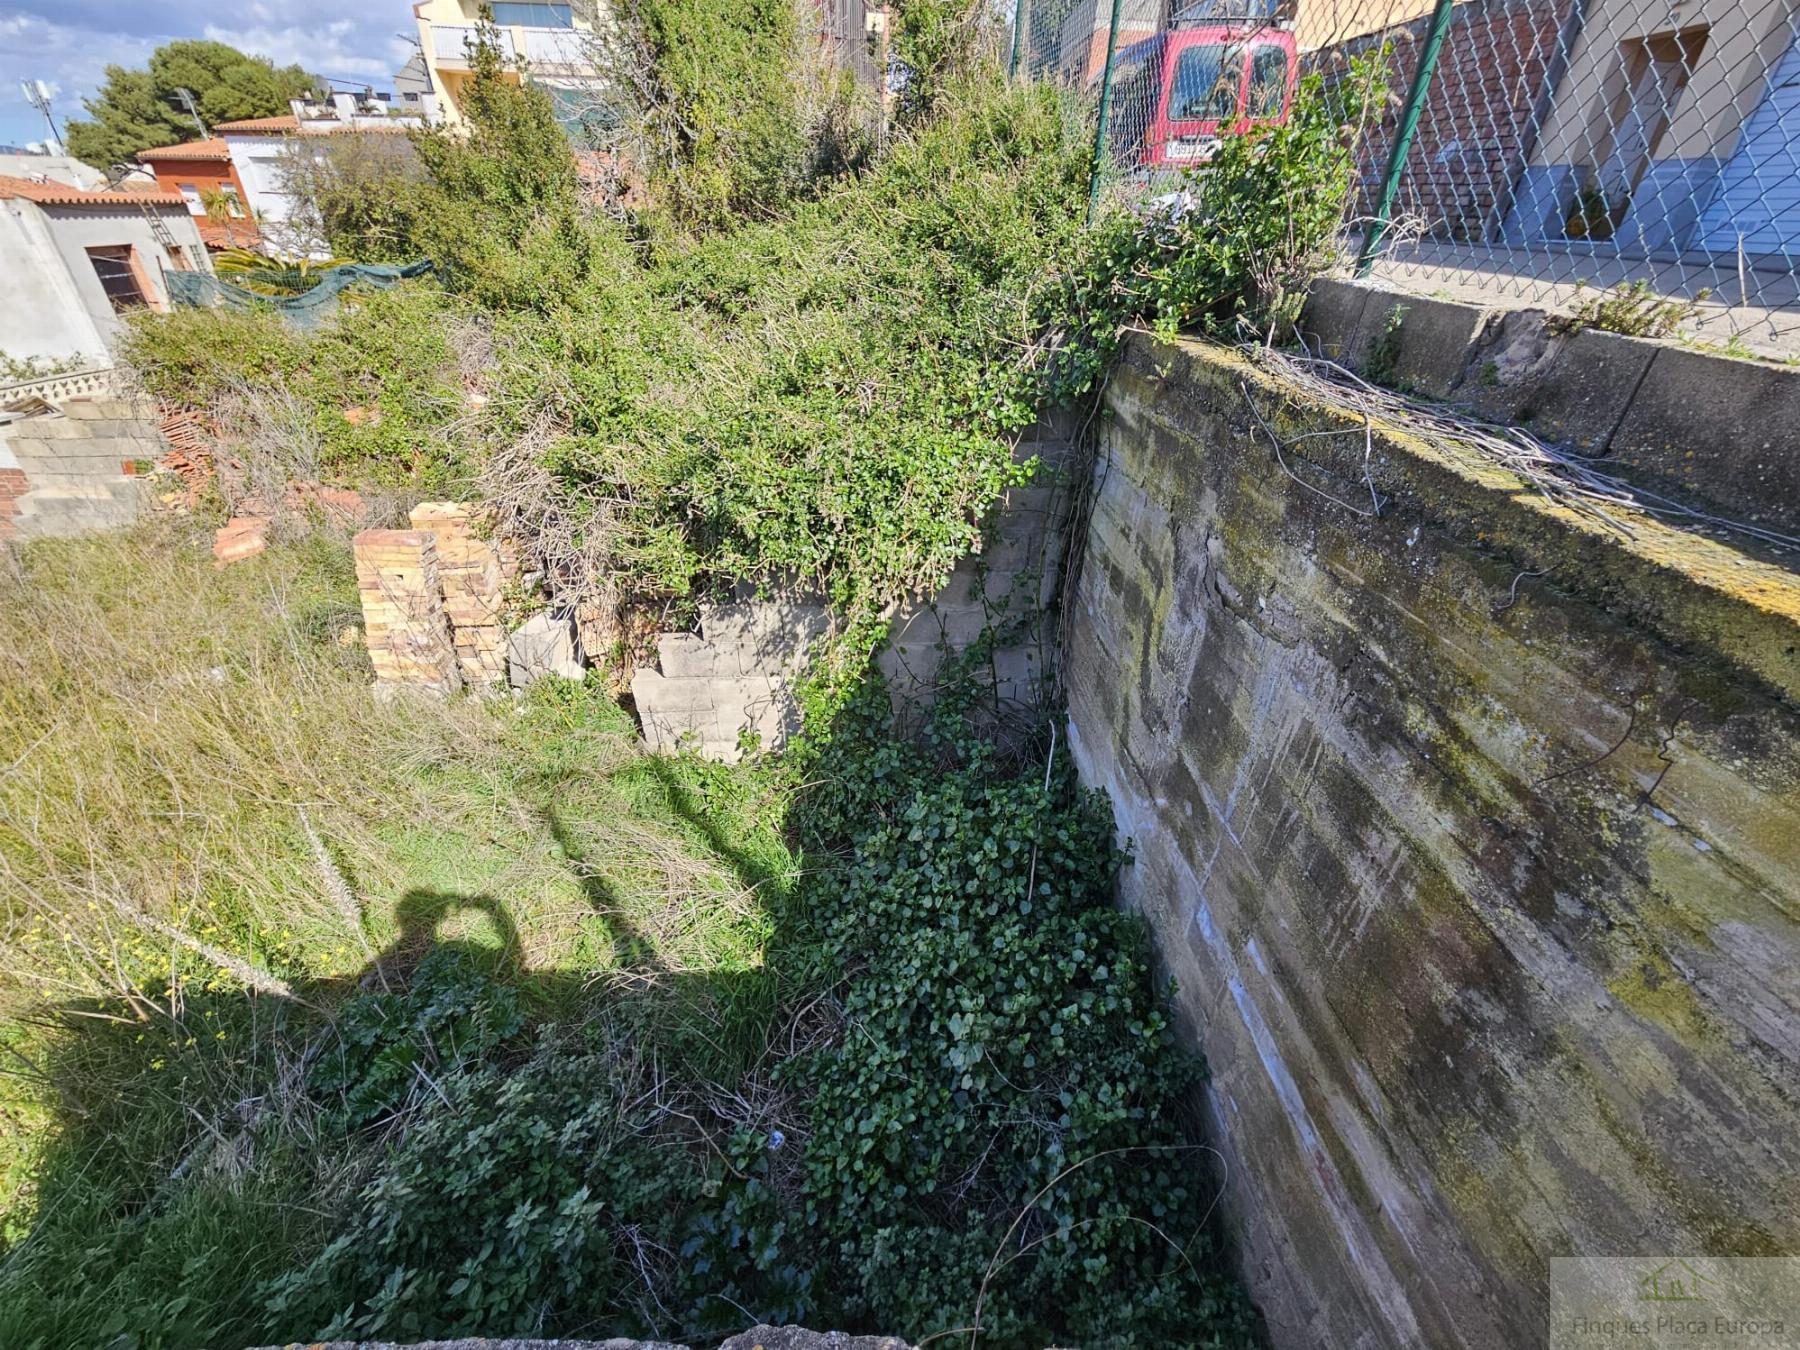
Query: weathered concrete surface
[[72, 464], [1481, 889], [1713, 430], [1734, 441]]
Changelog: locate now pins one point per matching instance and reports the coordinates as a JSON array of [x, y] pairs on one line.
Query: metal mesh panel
[[1559, 148]]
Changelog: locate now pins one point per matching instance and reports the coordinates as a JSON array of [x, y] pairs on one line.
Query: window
[[190, 193], [234, 206], [1268, 81], [1206, 84], [116, 266], [508, 14]]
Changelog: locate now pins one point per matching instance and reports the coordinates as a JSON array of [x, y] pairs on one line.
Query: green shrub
[[503, 1211], [1001, 1111], [373, 396], [1233, 251], [383, 1047]]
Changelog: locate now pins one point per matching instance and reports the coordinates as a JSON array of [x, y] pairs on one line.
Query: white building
[[259, 148], [72, 261]]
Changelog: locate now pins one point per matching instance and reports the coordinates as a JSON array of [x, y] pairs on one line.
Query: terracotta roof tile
[[253, 125], [61, 194], [223, 234], [207, 149]]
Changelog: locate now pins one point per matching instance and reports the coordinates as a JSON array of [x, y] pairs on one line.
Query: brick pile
[[403, 612], [190, 453], [12, 487], [470, 573]]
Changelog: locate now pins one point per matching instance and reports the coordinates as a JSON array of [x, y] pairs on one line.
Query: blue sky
[[69, 43]]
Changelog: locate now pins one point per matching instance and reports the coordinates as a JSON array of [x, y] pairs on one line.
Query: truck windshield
[[1207, 80]]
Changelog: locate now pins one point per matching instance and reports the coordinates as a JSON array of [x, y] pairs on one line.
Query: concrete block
[[1569, 389], [1429, 349], [668, 730], [655, 692], [961, 625], [690, 656], [1721, 430], [1014, 552], [543, 646], [909, 665], [1332, 319], [771, 720]]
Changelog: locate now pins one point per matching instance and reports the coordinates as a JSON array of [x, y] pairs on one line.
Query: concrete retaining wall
[[731, 684], [1471, 835], [1713, 430]]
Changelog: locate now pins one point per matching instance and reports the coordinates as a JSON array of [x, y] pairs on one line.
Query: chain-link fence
[[1535, 152]]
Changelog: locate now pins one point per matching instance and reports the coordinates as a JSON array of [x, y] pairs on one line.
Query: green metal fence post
[[1112, 46], [1020, 13], [1403, 139]]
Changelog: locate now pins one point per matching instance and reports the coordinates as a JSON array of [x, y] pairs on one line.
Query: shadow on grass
[[851, 1125]]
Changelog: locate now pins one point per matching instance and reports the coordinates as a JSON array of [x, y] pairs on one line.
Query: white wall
[[257, 160], [51, 301], [41, 312]]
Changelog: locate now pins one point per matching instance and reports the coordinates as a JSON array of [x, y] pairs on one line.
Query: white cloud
[[69, 43]]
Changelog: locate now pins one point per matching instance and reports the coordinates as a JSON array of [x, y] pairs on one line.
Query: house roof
[[61, 194], [223, 234], [269, 126], [212, 148]]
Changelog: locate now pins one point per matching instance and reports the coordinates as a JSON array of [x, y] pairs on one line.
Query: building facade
[[72, 261], [1673, 128], [260, 147], [206, 179], [554, 41]]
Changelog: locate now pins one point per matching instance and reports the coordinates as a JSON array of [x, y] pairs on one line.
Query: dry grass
[[196, 785]]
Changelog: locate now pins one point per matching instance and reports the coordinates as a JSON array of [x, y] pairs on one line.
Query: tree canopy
[[139, 109]]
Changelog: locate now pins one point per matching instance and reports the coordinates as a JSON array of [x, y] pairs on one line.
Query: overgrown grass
[[178, 746], [325, 1018]]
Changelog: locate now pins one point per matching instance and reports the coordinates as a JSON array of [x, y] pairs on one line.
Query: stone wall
[[74, 465], [1471, 836], [732, 683]]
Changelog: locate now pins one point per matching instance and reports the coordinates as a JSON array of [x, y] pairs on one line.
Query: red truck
[[1175, 94]]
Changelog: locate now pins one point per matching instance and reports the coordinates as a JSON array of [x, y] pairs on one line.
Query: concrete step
[[112, 484], [59, 512]]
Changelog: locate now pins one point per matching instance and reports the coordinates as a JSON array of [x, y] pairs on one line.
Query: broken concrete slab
[[540, 647], [1571, 389]]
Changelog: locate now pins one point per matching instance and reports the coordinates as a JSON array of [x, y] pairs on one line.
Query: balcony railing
[[563, 47], [557, 46], [452, 41]]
